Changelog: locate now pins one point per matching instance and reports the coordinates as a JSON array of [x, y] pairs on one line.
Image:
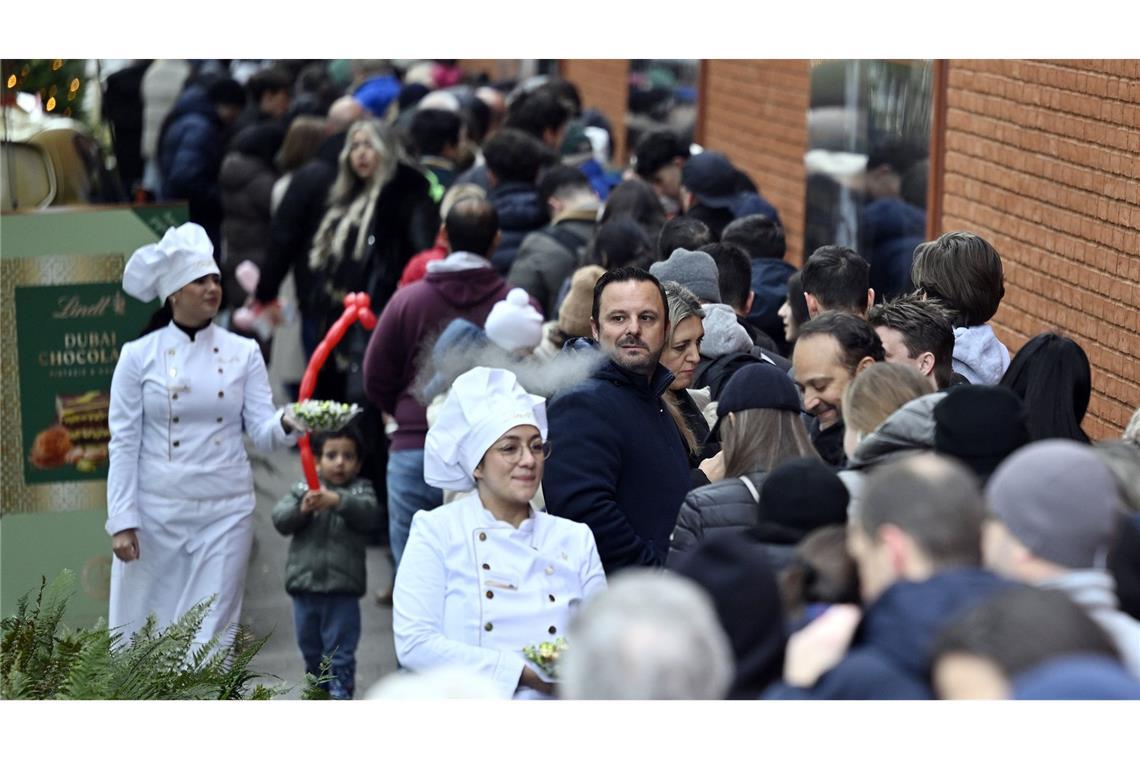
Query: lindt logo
[[72, 307]]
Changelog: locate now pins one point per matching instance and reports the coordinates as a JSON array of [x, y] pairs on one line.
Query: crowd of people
[[601, 406]]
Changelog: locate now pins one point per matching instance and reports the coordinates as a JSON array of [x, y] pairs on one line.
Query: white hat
[[483, 404], [183, 255], [513, 323]]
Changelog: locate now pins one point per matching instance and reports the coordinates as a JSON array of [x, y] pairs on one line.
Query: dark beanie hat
[[796, 498], [738, 576], [756, 386], [980, 425]]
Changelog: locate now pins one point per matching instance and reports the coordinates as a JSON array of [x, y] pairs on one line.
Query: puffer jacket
[[247, 186], [189, 157], [326, 555], [726, 506], [910, 428]]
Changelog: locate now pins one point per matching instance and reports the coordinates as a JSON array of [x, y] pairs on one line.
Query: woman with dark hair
[[620, 242], [635, 199], [758, 419], [794, 311], [980, 654], [1051, 374], [380, 214]]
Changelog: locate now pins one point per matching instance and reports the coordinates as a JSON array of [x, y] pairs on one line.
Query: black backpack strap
[[565, 237]]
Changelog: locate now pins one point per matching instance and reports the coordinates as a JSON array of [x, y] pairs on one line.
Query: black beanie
[[796, 498], [980, 425]]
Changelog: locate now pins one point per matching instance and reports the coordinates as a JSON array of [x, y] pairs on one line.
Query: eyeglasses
[[512, 452]]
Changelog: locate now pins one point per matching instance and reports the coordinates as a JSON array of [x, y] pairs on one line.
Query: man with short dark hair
[[890, 227], [830, 351], [916, 539], [621, 467], [916, 331], [835, 278], [762, 238], [550, 255], [658, 159], [682, 232], [514, 160], [462, 285], [270, 94], [437, 135]]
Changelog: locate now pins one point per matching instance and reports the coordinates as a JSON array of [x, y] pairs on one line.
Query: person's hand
[[820, 645], [125, 545], [289, 423], [315, 501], [531, 680], [713, 467]]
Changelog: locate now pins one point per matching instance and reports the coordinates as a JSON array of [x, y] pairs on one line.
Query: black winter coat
[[726, 506], [620, 466], [189, 157], [295, 224], [247, 184]]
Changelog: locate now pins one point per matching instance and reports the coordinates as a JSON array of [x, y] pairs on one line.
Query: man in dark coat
[[620, 465], [916, 539], [299, 215], [514, 160], [191, 147], [762, 238]]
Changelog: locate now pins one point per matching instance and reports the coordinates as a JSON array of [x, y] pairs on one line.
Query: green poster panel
[[69, 338]]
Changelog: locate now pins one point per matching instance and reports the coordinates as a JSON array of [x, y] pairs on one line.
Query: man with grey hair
[[647, 636], [916, 540]]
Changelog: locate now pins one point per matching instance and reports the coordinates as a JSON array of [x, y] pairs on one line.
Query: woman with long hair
[[380, 214], [1051, 374], [758, 420], [681, 355]]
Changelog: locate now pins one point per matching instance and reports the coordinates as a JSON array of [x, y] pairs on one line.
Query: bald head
[[496, 103], [342, 113]]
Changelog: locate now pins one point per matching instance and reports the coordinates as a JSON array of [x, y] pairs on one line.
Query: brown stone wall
[[756, 113], [1042, 158]]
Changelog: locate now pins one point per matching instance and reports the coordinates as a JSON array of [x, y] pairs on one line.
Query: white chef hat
[[513, 323], [183, 255], [483, 404]]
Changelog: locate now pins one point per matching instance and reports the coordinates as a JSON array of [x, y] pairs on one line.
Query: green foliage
[[41, 660], [59, 82]]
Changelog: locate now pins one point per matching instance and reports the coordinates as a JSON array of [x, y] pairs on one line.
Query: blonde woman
[[380, 214]]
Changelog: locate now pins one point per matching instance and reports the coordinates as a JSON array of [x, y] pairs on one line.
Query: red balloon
[[356, 307]]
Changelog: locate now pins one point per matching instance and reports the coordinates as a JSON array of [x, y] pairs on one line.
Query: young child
[[325, 572]]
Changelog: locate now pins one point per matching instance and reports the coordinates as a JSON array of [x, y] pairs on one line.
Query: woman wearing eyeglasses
[[487, 574]]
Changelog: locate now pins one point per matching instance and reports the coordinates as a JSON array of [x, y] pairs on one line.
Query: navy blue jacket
[[617, 463], [890, 654], [189, 157], [520, 213]]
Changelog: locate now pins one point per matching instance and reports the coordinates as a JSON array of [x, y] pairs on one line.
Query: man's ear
[[926, 363], [495, 243], [865, 362], [748, 303], [812, 304], [897, 546], [870, 299], [594, 328]]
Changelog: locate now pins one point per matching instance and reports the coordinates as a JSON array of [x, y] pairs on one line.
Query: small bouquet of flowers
[[324, 416], [545, 657]]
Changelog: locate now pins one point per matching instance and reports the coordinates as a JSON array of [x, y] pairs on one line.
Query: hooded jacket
[[889, 656], [326, 554], [1092, 590], [414, 314], [520, 213], [910, 428], [190, 155], [978, 355], [620, 465]]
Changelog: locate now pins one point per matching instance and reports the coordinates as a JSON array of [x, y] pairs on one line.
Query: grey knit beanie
[[696, 270], [1059, 499]]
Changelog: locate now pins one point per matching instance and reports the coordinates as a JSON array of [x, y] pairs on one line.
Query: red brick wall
[[1043, 160], [756, 113], [603, 84]]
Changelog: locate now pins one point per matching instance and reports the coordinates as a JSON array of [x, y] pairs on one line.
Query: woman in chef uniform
[[179, 488], [487, 574]]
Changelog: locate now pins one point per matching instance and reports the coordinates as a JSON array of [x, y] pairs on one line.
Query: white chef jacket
[[178, 409], [179, 473], [472, 591]]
